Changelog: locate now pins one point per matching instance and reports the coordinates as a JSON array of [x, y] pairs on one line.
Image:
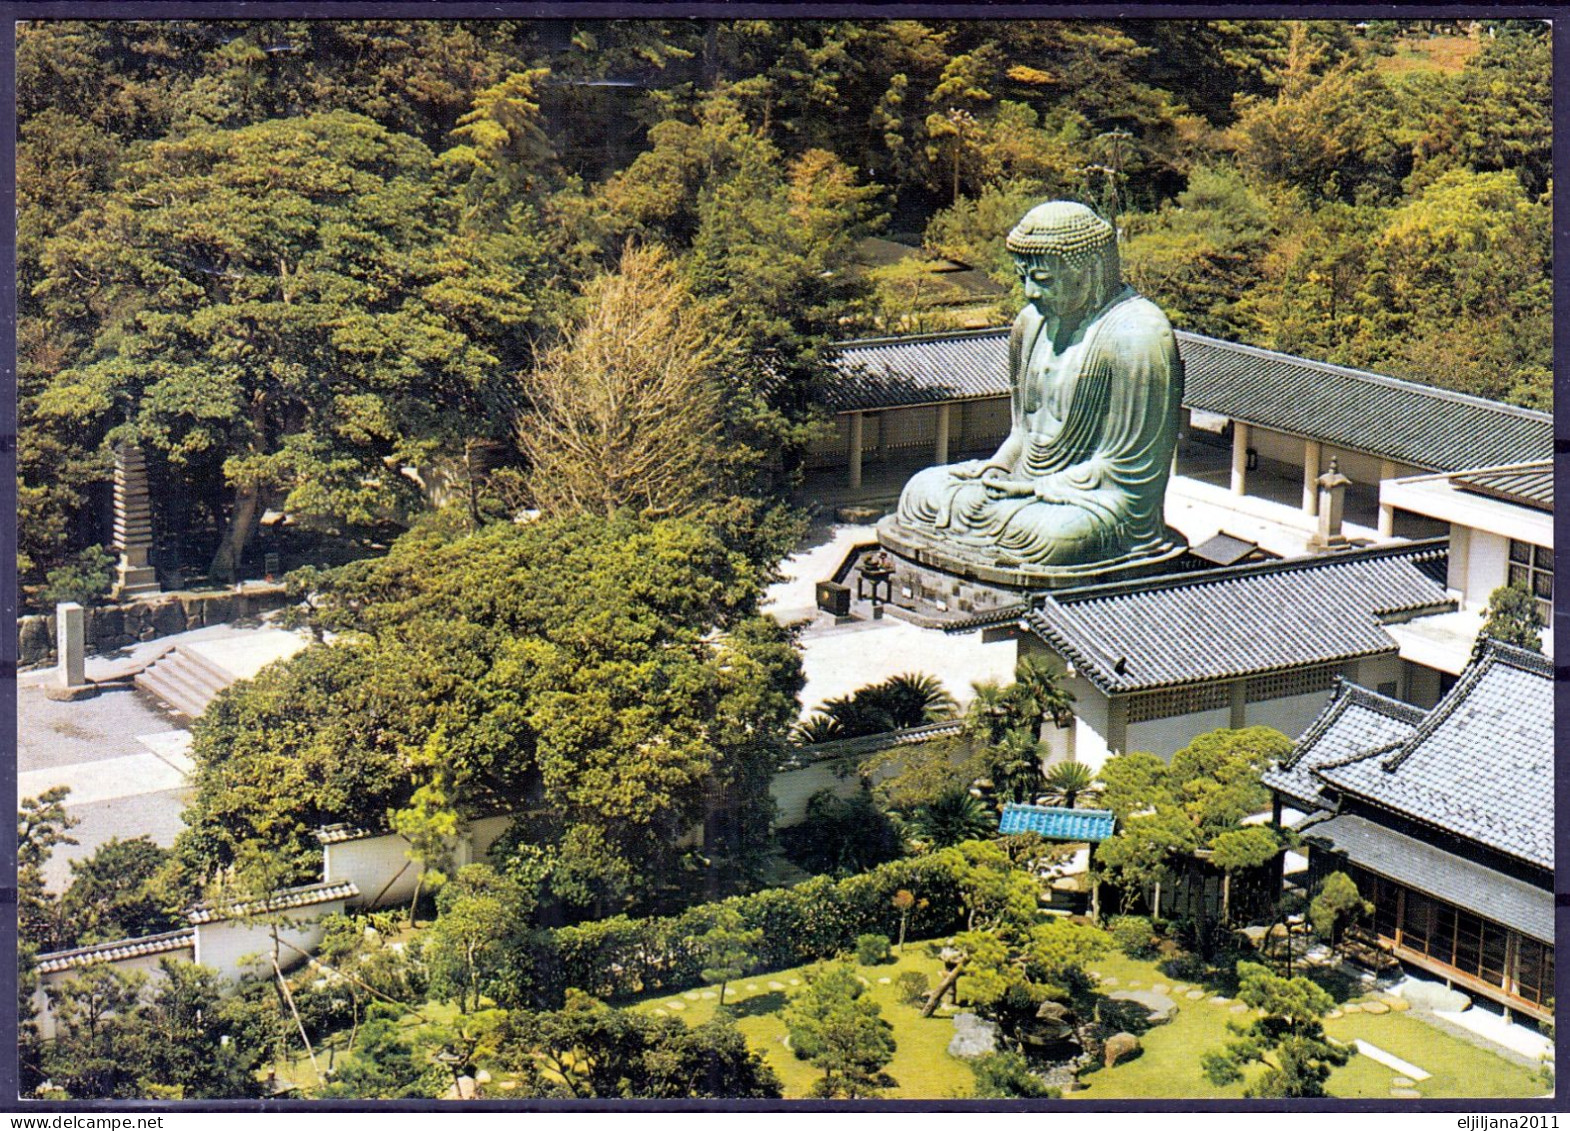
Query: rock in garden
[[776, 985], [1406, 1094], [1160, 1006], [1375, 1007], [1160, 989], [972, 1036], [1397, 1004], [1119, 1047], [1194, 995], [1402, 1082], [1433, 996], [708, 995]]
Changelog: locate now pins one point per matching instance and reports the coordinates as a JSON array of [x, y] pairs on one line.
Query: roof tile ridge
[[1386, 705], [917, 339], [1088, 659], [1328, 716], [1369, 375], [115, 944], [1361, 756], [1420, 548]]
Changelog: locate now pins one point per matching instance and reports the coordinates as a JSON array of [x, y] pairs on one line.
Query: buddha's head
[[1067, 257]]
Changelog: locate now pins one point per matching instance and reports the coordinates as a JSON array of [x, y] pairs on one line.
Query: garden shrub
[[1133, 935], [913, 987], [872, 950], [818, 919]]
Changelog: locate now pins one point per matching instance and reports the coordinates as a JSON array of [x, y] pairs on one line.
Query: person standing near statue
[[1096, 386]]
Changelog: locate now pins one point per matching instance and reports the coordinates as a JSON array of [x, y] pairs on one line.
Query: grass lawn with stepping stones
[[1170, 1063], [921, 1068]]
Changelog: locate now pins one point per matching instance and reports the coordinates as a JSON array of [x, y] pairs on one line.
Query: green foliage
[[952, 817], [836, 1025], [120, 891], [587, 1050], [86, 581], [872, 949], [728, 948], [1133, 935], [475, 914], [41, 824], [1337, 905], [913, 987], [843, 836], [1007, 1076], [1288, 1040], [611, 676], [817, 919], [908, 700], [1514, 617], [1067, 782]]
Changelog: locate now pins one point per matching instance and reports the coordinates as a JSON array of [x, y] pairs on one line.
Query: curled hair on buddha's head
[[1072, 234]]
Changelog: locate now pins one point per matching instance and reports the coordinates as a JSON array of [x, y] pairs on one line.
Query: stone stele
[[1075, 494]]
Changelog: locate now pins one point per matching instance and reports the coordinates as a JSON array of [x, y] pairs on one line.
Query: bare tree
[[626, 409]]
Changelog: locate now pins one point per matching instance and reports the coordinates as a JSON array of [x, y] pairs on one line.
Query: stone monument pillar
[[133, 526], [1332, 503], [70, 681]]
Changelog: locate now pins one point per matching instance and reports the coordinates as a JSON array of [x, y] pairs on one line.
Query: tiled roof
[[1429, 868], [339, 833], [55, 961], [286, 899], [1530, 484], [1355, 721], [1223, 549], [1242, 620], [1409, 423], [1481, 765], [887, 372], [1056, 824], [811, 752]]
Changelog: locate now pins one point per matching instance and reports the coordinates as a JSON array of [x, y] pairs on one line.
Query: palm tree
[[819, 728], [1016, 765], [1067, 781], [1039, 692], [987, 719], [913, 699], [950, 818]]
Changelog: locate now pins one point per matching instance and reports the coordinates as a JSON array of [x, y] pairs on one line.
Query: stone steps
[[184, 681]]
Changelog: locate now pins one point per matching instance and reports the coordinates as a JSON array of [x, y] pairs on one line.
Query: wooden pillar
[[1310, 477], [1387, 520], [940, 446], [855, 450], [1239, 457]]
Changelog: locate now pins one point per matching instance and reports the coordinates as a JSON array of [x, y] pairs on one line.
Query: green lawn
[[1169, 1066], [921, 1068]]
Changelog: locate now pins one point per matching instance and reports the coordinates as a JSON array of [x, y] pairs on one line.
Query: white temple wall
[[224, 945], [1165, 737]]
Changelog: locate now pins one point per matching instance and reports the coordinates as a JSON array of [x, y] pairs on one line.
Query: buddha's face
[[1055, 288]]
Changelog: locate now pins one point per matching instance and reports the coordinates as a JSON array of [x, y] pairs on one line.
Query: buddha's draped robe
[[1094, 423]]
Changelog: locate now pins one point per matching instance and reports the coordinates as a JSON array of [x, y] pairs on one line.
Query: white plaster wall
[[1091, 722], [791, 790], [146, 963], [1167, 736], [1276, 445], [1290, 715], [1487, 568], [378, 865], [1422, 685], [484, 832], [221, 946], [1362, 470], [1374, 670]]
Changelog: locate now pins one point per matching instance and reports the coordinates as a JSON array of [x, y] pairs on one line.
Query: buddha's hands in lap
[[978, 469]]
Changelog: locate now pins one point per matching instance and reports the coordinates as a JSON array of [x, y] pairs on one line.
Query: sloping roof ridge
[[1369, 376], [1088, 661], [1354, 759], [915, 339], [281, 899], [164, 940], [1344, 695], [1423, 549]]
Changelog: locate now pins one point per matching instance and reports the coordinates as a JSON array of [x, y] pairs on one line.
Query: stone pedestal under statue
[[133, 526], [1075, 494]]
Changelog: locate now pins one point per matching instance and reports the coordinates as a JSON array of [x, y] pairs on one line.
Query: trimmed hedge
[[622, 957]]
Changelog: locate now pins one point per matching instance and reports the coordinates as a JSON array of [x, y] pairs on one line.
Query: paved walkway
[[125, 761]]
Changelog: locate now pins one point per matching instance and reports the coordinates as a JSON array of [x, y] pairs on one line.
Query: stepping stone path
[[1375, 1007], [1402, 1082], [884, 981], [1397, 1004], [676, 1005], [752, 987], [1219, 1000], [1352, 1007], [659, 1013], [691, 995], [1332, 1015], [1109, 980], [708, 995], [1160, 989], [860, 978], [795, 981], [1406, 1093], [1194, 995], [1238, 1008], [776, 985], [1180, 988]]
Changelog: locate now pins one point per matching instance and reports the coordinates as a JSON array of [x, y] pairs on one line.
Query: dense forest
[[345, 269]]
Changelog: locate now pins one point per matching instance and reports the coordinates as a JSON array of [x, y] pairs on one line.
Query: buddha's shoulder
[[1138, 315]]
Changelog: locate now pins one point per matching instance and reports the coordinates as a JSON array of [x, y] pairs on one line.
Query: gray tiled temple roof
[[166, 943], [1409, 423], [1242, 620], [1481, 765], [286, 899], [1355, 721], [1429, 868], [1530, 484]]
